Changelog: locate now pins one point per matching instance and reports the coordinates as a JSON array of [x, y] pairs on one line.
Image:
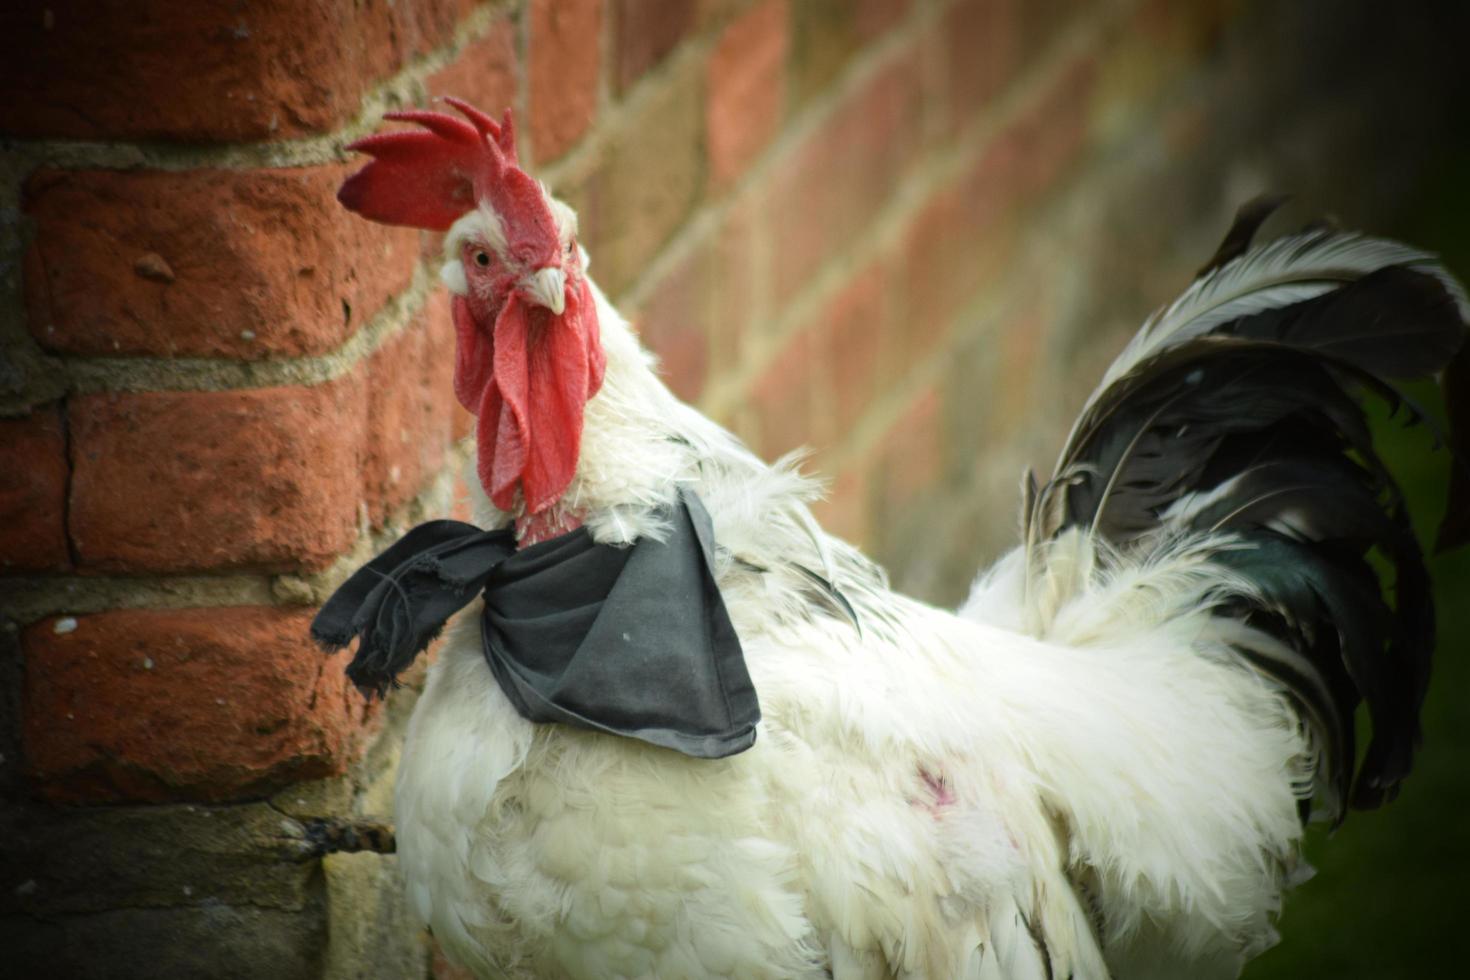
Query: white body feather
[[938, 795]]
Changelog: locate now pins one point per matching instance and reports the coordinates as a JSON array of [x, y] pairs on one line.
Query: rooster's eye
[[482, 258]]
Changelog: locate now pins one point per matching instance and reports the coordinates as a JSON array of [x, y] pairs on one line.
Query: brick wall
[[906, 233]]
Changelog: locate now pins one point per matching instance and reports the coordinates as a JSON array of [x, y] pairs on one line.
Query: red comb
[[427, 178]]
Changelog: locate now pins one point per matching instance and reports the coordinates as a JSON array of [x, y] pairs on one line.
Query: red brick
[[912, 453], [734, 283], [827, 33], [674, 324], [844, 511], [410, 405], [205, 263], [693, 317], [1039, 22], [784, 398], [183, 704], [712, 13], [966, 235], [648, 178], [747, 89], [646, 31], [484, 73], [565, 66], [832, 186], [265, 70], [33, 492], [873, 18], [1055, 131], [955, 246], [180, 481], [1019, 349], [852, 333], [983, 44]]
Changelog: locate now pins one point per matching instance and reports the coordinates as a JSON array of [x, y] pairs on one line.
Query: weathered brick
[[565, 57], [982, 42], [206, 263], [194, 704], [1038, 22], [911, 454], [484, 72], [953, 248], [175, 481], [373, 931], [844, 511], [966, 235], [33, 492], [264, 70], [832, 186], [647, 183], [1055, 131], [674, 324], [410, 407], [1019, 350], [214, 942], [695, 315], [747, 89], [734, 289], [92, 859], [645, 31], [12, 677], [851, 340], [785, 399], [827, 33]]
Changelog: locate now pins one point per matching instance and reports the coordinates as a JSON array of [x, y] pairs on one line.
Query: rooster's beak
[[546, 287]]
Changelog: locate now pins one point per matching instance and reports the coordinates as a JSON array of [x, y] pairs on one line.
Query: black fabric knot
[[632, 640]]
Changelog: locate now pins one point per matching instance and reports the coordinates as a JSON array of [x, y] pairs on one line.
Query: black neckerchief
[[631, 640]]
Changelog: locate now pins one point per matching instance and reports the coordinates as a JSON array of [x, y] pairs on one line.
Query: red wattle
[[473, 357], [544, 368]]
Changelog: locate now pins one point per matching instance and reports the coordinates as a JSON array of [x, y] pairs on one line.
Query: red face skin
[[527, 371], [490, 280], [492, 277]]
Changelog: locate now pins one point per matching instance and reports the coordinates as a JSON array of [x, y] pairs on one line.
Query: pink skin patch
[[535, 528], [940, 796]]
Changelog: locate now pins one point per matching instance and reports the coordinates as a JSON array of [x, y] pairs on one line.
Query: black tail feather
[[1238, 414], [1454, 530]]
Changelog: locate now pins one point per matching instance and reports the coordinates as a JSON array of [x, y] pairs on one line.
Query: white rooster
[[1099, 767]]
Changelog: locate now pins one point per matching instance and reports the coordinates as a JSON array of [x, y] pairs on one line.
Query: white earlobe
[[451, 274]]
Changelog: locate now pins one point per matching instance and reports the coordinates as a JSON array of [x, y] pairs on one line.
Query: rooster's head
[[529, 356]]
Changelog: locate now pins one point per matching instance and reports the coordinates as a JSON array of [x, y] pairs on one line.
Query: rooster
[[774, 766]]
